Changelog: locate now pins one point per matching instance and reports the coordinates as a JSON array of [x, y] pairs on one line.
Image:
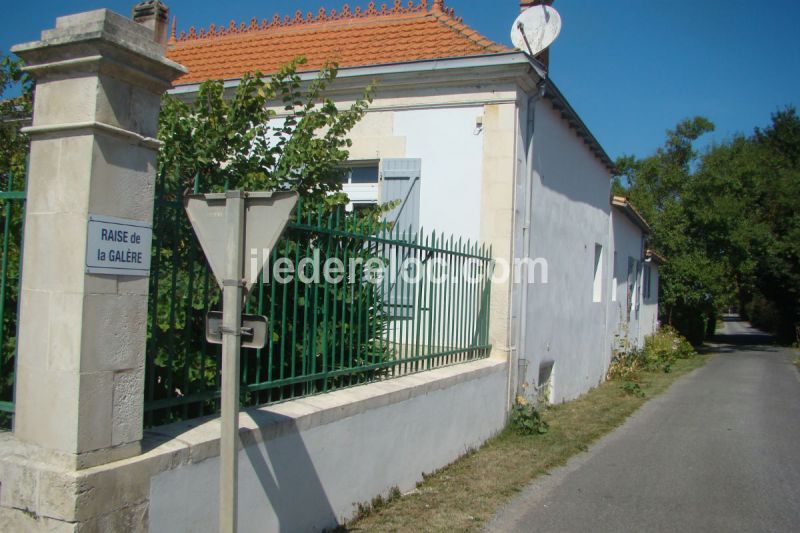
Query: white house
[[633, 310], [648, 318], [488, 149], [477, 139]]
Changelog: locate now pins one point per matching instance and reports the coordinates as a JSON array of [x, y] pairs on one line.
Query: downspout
[[640, 295], [521, 344], [510, 334], [611, 266]]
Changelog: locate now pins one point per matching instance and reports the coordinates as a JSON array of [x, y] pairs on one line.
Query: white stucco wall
[[627, 242], [570, 216], [467, 168], [450, 145], [310, 461], [451, 149], [472, 179], [648, 316]]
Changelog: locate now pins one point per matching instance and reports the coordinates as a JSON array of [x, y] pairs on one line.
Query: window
[[646, 284], [632, 269], [361, 174], [545, 383], [597, 288], [360, 183], [614, 281], [368, 182]]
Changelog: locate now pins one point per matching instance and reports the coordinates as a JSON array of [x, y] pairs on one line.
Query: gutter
[[408, 67], [569, 114]]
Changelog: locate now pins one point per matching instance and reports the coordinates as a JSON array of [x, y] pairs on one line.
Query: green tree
[[692, 282], [777, 249], [270, 133], [15, 112], [727, 221]]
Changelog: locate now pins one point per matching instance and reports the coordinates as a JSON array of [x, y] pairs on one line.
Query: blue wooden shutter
[[631, 284], [400, 180]]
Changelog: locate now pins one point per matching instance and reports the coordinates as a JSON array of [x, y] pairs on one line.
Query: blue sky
[[631, 68]]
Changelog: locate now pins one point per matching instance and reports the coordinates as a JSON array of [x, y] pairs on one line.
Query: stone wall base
[[40, 490]]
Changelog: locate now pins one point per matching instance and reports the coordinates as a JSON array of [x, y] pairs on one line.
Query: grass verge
[[465, 494]]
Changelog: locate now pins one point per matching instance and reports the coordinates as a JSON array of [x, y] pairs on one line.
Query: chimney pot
[[153, 14], [525, 4]]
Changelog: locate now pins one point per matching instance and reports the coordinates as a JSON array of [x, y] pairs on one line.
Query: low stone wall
[[305, 466], [309, 462]]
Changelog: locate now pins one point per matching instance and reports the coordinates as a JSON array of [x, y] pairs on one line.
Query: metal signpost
[[228, 225]]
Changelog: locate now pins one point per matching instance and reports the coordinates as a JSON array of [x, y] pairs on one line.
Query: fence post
[[80, 369]]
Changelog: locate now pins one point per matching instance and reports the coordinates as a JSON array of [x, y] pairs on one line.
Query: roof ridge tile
[[410, 31], [457, 24]]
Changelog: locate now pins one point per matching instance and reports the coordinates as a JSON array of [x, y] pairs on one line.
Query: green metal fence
[[406, 303], [12, 209]]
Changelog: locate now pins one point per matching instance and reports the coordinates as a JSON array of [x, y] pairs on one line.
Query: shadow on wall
[[279, 487], [288, 478], [565, 164]]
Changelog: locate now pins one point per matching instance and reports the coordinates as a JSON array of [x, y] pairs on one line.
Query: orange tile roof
[[351, 38]]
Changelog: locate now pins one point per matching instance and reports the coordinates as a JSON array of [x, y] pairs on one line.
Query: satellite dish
[[535, 29]]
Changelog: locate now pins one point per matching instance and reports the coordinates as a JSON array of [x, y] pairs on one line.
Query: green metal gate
[[12, 206], [322, 336]]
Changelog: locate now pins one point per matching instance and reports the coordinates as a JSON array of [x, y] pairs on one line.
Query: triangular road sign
[[266, 214]]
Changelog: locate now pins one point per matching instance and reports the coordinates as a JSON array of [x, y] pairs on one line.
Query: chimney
[[544, 57], [153, 14], [525, 4]]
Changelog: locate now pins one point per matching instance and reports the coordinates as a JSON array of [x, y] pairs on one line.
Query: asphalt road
[[719, 451]]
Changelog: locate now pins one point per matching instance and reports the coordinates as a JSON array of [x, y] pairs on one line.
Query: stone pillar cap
[[82, 35]]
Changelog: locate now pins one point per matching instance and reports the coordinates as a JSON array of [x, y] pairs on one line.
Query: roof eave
[[653, 257], [500, 59], [571, 116], [625, 207], [417, 66]]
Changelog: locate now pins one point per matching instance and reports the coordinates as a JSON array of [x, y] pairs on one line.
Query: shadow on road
[[739, 335]]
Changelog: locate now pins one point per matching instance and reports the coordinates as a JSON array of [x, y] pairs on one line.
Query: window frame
[[361, 193]]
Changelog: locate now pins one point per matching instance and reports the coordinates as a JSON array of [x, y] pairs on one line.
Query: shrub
[[660, 352], [632, 388], [664, 347], [764, 314], [526, 419], [625, 364]]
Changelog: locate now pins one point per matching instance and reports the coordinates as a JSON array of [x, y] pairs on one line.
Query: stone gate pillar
[[80, 369]]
